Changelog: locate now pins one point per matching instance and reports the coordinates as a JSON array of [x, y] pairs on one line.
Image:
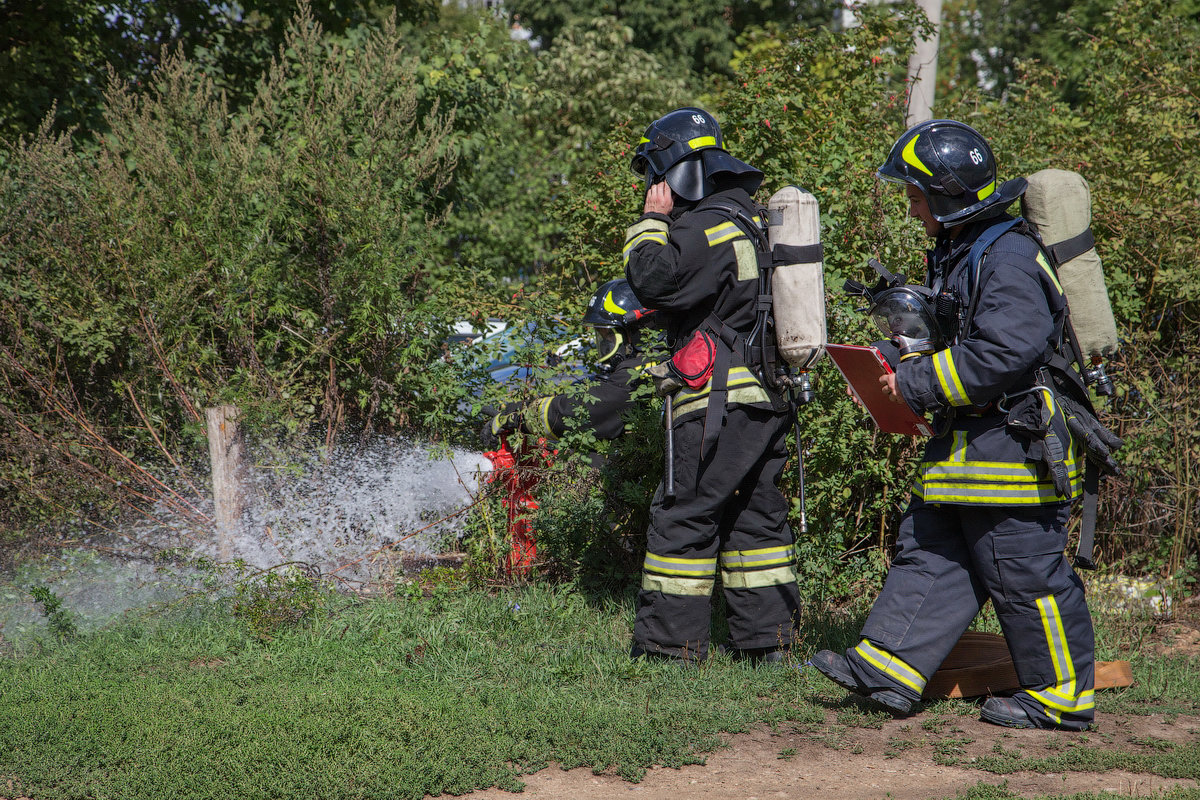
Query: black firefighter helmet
[[685, 149], [616, 315], [953, 166]]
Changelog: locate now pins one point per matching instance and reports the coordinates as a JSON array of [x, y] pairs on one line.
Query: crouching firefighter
[[626, 342], [693, 256], [978, 346]]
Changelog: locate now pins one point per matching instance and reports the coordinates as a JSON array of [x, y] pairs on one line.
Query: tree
[[282, 257], [56, 54], [695, 38]]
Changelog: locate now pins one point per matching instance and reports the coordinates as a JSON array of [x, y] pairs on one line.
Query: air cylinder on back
[[798, 283], [1058, 203]]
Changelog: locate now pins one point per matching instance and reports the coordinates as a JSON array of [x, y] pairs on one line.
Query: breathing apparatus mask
[[610, 343], [916, 319]]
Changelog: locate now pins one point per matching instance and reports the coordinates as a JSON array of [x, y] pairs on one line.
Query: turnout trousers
[[728, 518], [950, 560]]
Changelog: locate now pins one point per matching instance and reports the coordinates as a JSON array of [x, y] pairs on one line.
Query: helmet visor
[[608, 342]]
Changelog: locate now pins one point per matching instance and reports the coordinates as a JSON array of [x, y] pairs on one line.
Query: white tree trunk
[[922, 67]]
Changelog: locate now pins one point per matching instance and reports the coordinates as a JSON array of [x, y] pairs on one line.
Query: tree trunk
[[922, 67]]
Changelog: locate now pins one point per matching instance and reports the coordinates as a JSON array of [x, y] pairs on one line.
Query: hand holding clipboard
[[862, 367]]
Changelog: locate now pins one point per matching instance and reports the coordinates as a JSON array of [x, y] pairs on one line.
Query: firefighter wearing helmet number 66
[[989, 512], [693, 257]]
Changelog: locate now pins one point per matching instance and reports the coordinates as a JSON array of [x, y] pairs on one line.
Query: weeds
[[62, 624], [278, 598]]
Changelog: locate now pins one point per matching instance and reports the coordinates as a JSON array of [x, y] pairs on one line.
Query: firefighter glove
[[666, 380], [502, 424], [1099, 443]]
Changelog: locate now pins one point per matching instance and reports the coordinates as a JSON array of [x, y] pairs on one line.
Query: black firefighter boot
[[837, 668]]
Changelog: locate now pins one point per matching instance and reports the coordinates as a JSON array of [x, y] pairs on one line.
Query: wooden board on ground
[[980, 665]]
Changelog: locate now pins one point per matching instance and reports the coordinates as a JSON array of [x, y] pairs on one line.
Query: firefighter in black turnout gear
[[623, 351], [693, 257], [989, 512]]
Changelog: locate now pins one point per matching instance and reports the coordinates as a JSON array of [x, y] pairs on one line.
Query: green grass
[[987, 791], [407, 697], [388, 698]]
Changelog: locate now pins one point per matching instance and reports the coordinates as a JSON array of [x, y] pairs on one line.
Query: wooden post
[[225, 453]]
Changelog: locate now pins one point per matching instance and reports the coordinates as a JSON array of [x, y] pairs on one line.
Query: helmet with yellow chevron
[[685, 149], [616, 315], [953, 166]]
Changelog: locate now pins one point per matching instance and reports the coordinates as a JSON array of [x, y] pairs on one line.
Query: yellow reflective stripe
[[738, 376], [761, 557], [742, 385], [668, 565], [990, 471], [909, 154], [986, 191], [645, 225], [657, 237], [1056, 638], [724, 232], [958, 449], [891, 666], [540, 422], [1045, 265], [982, 494], [992, 482], [947, 375], [702, 141], [758, 578], [1048, 396], [646, 230], [688, 587], [1053, 699], [747, 260], [745, 395]]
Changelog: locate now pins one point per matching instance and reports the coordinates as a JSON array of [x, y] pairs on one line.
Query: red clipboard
[[861, 366]]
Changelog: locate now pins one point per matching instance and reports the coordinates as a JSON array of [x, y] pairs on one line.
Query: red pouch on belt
[[694, 362]]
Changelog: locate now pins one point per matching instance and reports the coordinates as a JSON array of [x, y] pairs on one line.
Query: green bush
[[281, 258]]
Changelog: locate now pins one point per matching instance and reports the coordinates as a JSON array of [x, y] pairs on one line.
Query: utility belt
[[717, 366], [1052, 413]]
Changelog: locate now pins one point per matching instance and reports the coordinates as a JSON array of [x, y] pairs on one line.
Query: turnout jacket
[[609, 395], [700, 269], [1019, 308]]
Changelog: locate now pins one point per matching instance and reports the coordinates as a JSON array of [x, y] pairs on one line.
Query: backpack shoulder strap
[[979, 249]]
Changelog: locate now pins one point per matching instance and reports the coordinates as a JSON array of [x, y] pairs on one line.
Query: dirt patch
[[1180, 634], [929, 755], [898, 759]]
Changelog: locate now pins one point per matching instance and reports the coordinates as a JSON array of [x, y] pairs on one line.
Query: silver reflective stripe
[[1064, 695], [758, 578], [762, 557], [649, 230], [669, 565], [690, 587], [742, 387], [947, 375], [992, 482], [725, 232]]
